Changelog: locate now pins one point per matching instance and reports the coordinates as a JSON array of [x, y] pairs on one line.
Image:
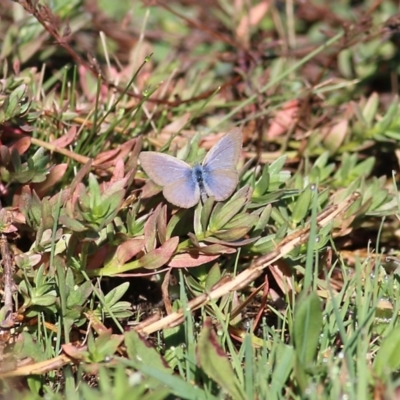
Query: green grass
[[287, 289]]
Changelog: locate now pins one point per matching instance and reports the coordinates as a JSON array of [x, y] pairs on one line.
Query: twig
[[253, 272], [8, 281]]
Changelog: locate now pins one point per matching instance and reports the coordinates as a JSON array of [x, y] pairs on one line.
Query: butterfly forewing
[[225, 154], [162, 168]]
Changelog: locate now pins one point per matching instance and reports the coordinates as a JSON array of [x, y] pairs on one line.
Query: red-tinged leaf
[[150, 189], [96, 323], [128, 250], [21, 145], [216, 249], [18, 217], [284, 119], [77, 195], [105, 157], [80, 175], [239, 243], [162, 224], [65, 195], [126, 148], [6, 221], [119, 171], [176, 125], [150, 230], [31, 259], [32, 48], [5, 155], [193, 239], [109, 188], [87, 82], [160, 256], [54, 176], [77, 353], [97, 260], [132, 161], [215, 363], [191, 259], [66, 139], [9, 229], [251, 18], [109, 158], [335, 135], [23, 196]]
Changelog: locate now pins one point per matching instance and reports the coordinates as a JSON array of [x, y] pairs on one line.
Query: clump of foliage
[[289, 288]]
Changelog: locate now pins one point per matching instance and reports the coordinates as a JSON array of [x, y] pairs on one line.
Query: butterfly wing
[[176, 177], [184, 192], [225, 153], [220, 175], [221, 184], [162, 168]]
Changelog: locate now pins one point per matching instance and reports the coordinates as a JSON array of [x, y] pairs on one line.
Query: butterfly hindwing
[[183, 192], [221, 184]]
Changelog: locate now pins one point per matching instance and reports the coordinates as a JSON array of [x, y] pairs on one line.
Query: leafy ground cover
[[287, 289]]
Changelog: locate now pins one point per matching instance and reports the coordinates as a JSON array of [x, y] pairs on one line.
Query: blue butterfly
[[184, 185]]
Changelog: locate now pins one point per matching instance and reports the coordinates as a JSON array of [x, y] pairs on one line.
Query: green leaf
[[307, 325], [262, 219], [13, 106], [213, 276], [115, 294], [72, 224], [197, 225], [177, 385], [233, 234], [215, 363], [141, 352], [107, 344], [364, 168], [222, 216], [206, 212], [387, 359], [264, 245], [302, 206], [370, 108], [385, 122], [29, 347], [262, 184], [44, 300], [242, 220], [16, 160], [276, 167], [283, 366], [94, 191]]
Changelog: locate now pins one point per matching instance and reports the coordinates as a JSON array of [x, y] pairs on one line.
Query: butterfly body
[[199, 175], [184, 185]]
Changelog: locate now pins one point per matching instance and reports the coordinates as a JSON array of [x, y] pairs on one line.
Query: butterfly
[[184, 185]]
